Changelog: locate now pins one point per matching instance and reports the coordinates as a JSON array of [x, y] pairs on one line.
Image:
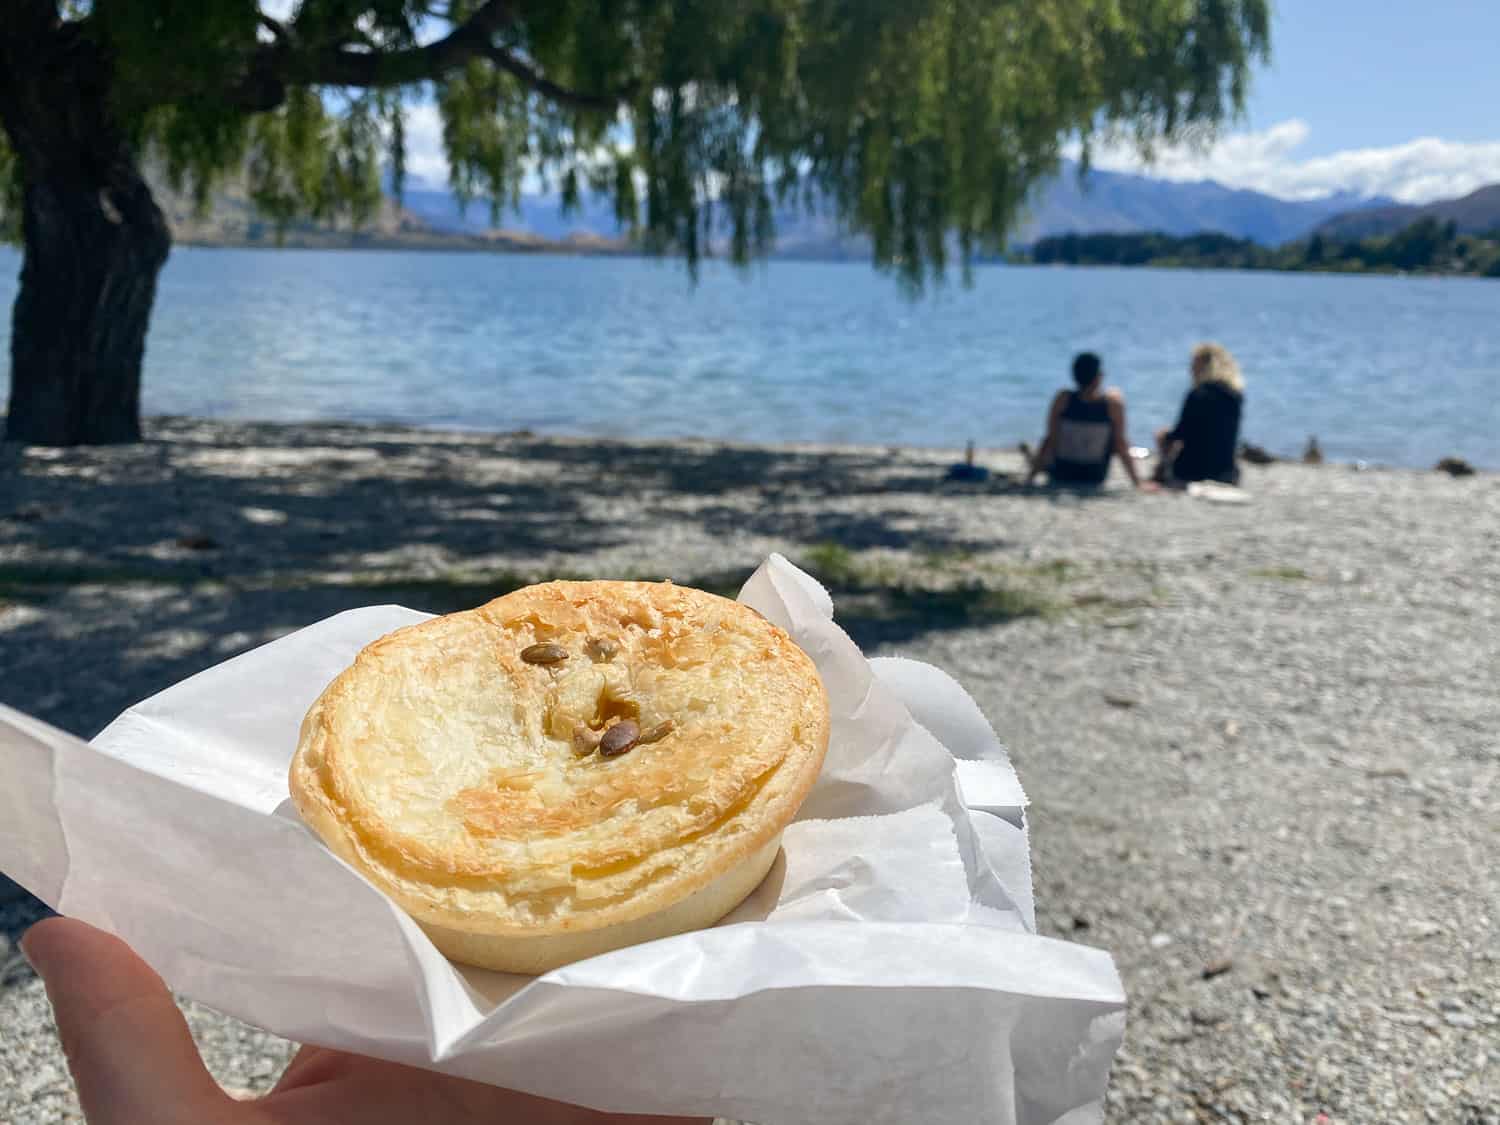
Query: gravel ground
[[1261, 739]]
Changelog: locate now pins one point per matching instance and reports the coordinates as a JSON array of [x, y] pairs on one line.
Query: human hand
[[134, 1060]]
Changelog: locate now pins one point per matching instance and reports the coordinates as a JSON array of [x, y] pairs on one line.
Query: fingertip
[[127, 1044], [45, 943], [89, 963]]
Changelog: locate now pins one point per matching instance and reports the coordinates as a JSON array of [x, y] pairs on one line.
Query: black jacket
[[1209, 429]]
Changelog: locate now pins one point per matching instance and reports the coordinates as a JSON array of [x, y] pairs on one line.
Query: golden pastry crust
[[462, 778]]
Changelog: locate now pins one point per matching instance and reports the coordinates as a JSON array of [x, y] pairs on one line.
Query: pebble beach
[[1261, 739]]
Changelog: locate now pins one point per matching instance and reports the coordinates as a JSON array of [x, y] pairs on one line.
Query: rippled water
[[1397, 370]]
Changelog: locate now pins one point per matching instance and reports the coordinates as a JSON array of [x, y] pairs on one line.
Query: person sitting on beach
[[1202, 445], [1085, 428]]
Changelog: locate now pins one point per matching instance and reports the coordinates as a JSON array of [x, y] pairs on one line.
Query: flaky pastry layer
[[462, 777]]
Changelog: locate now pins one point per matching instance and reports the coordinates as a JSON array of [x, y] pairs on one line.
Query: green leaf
[[925, 124]]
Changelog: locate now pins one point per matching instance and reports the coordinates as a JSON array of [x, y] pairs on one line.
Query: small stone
[[1217, 968], [264, 517], [1455, 467], [40, 1079]]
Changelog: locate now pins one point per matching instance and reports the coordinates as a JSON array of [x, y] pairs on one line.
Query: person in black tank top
[[1085, 429]]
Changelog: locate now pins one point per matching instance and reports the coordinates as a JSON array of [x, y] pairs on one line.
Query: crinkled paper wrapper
[[888, 970]]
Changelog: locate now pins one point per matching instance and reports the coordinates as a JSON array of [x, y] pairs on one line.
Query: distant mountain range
[[1121, 202], [231, 220], [1116, 202], [1475, 213], [539, 215], [428, 216]]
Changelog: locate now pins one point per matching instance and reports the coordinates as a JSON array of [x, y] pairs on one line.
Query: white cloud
[[1417, 171], [1265, 160], [425, 161]]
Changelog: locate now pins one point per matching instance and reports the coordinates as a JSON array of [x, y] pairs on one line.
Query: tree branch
[[282, 63], [337, 66], [275, 27], [534, 79]]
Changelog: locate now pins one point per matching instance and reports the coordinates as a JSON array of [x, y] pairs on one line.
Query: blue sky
[[1378, 97], [1368, 73]]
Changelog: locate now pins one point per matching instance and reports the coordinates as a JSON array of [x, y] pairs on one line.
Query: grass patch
[[1109, 602], [1282, 573], [833, 564], [954, 559], [980, 604], [922, 596], [947, 609], [1057, 570]]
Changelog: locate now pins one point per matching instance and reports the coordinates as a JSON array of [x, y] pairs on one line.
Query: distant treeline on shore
[[1427, 246]]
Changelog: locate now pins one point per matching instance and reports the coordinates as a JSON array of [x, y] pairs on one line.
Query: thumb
[[128, 1046]]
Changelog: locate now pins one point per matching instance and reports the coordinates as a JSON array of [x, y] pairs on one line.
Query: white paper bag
[[887, 971]]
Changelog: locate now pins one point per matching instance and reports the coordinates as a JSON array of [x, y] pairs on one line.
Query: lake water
[[1393, 370]]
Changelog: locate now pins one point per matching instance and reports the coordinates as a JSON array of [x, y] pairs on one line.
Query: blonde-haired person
[[1203, 443]]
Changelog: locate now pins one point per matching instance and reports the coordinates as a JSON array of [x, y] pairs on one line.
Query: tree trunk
[[79, 329], [95, 241]]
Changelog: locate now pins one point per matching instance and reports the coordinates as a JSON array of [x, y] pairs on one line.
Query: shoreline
[[1259, 739], [1004, 458], [1386, 274], [514, 242], [501, 242]]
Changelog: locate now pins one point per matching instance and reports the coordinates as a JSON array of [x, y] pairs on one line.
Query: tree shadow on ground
[[131, 568], [139, 565], [201, 508]]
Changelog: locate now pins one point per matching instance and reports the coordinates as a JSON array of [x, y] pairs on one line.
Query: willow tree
[[923, 123]]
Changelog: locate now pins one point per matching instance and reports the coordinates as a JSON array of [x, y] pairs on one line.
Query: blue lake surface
[[1392, 370]]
